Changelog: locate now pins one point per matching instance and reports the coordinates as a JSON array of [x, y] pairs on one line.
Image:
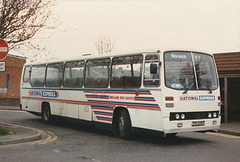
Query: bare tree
[[104, 44], [21, 20]]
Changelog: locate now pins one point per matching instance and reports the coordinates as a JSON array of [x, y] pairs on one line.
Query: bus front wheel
[[124, 125], [46, 113]]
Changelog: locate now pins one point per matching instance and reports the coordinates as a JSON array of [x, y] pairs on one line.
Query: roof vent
[[87, 54]]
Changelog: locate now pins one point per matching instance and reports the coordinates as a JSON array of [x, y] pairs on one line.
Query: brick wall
[[13, 67]]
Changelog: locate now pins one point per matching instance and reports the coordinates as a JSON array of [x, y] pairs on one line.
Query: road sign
[[2, 66], [3, 49]]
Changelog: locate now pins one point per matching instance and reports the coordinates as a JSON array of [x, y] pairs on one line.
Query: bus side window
[[26, 74], [96, 73], [73, 74], [54, 75], [37, 76], [126, 71], [151, 78]]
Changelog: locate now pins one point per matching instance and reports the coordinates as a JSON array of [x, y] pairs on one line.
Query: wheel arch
[[115, 118], [44, 103], [117, 111]]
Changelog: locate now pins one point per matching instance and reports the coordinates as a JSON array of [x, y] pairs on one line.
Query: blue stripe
[[102, 90], [108, 90], [130, 103], [102, 117], [104, 112], [144, 97], [60, 89], [97, 96]]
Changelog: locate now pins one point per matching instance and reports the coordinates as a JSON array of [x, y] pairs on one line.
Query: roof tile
[[227, 62]]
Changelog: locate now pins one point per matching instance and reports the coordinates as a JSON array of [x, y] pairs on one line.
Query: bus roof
[[106, 55]]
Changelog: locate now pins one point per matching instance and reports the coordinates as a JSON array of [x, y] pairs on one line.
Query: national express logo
[[197, 98], [51, 94]]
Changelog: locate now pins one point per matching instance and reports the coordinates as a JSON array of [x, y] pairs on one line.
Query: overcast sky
[[136, 25]]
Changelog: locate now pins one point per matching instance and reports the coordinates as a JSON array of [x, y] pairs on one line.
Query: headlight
[[177, 116], [209, 115], [182, 116], [214, 114]]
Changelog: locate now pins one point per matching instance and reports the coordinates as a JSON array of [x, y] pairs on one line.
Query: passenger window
[[54, 75], [150, 78], [37, 75], [26, 74], [126, 71], [96, 73], [73, 74]]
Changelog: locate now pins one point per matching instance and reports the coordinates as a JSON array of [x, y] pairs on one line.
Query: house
[[228, 66], [10, 76]]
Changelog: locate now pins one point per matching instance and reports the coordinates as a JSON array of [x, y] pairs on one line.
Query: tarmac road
[[64, 141]]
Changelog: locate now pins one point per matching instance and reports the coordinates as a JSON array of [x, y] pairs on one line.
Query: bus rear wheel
[[46, 113], [124, 125]]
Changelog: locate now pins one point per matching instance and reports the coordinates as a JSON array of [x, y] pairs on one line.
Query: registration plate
[[198, 123]]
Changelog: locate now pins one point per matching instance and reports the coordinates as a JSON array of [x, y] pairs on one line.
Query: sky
[[141, 25]]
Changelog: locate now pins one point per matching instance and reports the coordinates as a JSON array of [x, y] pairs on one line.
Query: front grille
[[193, 115]]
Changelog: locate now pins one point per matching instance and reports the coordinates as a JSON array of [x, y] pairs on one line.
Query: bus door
[[25, 84]]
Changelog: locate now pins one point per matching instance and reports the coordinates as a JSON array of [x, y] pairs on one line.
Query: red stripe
[[54, 99], [109, 92], [103, 114], [87, 102], [104, 119], [144, 99], [142, 93], [131, 105], [98, 97]]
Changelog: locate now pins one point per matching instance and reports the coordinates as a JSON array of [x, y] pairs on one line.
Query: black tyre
[[124, 125], [46, 113], [171, 135]]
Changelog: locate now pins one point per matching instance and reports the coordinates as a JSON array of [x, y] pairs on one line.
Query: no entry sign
[[3, 49]]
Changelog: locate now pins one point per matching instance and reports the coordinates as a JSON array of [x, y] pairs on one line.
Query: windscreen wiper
[[191, 84], [205, 84]]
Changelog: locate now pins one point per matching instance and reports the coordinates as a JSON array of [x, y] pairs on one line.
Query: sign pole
[[7, 84]]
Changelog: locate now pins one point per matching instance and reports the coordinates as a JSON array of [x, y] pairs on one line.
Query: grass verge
[[4, 131]]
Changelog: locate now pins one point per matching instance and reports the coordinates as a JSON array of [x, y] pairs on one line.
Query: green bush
[[4, 131]]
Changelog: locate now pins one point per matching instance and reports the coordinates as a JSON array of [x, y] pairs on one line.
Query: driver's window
[[150, 78], [205, 71]]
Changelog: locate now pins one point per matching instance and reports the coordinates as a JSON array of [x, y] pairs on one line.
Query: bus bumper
[[191, 125]]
